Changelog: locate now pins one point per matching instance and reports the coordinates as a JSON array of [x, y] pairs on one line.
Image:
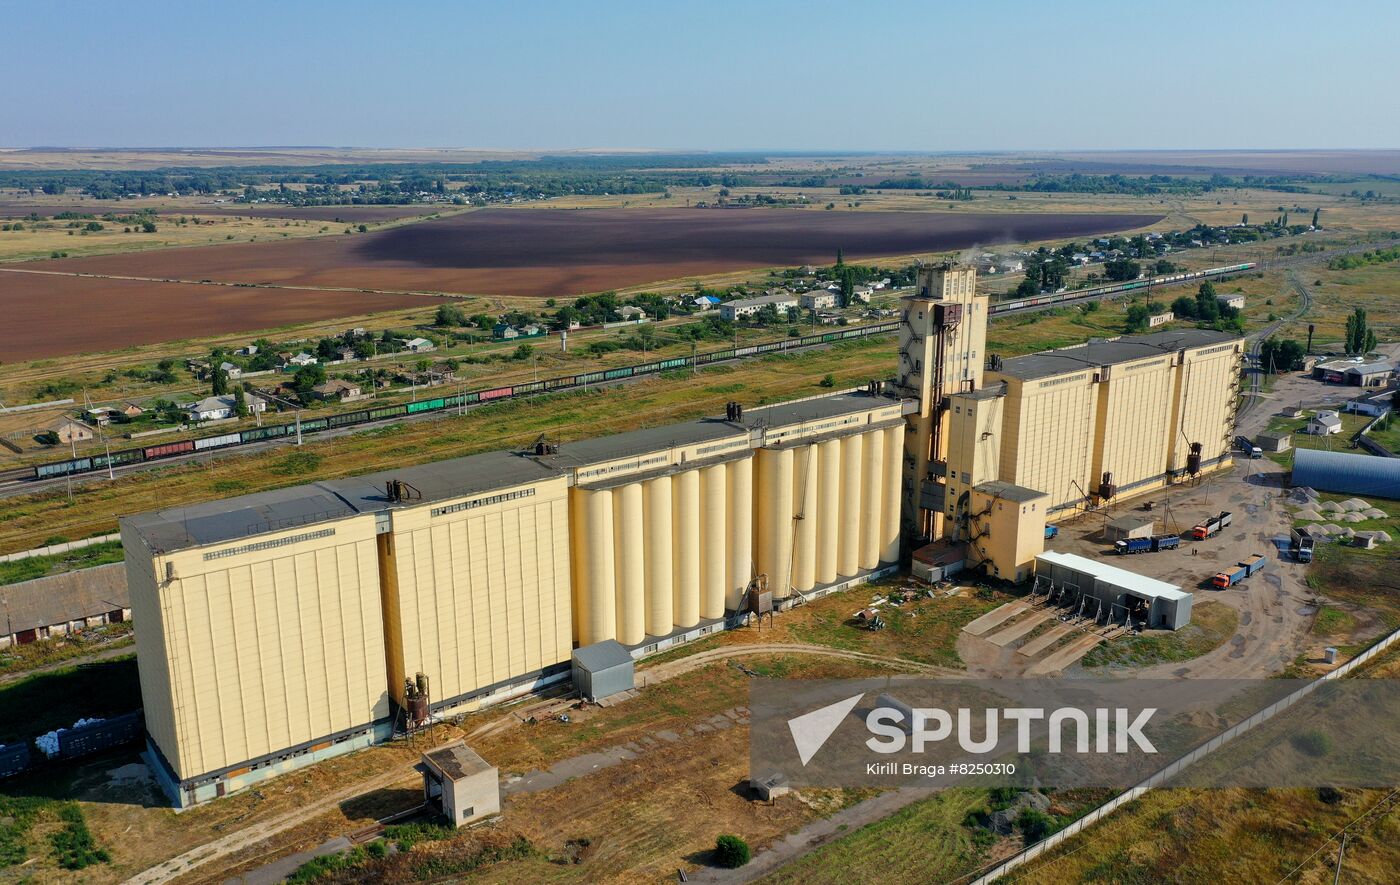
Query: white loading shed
[[1111, 593]]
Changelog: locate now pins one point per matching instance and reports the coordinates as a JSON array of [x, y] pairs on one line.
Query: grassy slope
[[1212, 623]]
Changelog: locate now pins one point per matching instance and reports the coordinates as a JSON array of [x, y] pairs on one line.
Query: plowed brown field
[[568, 252], [526, 252], [47, 315]]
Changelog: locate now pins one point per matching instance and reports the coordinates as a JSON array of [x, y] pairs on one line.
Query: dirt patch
[[50, 315], [549, 252]]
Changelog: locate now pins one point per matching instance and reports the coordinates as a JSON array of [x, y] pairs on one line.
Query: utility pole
[[1337, 876]]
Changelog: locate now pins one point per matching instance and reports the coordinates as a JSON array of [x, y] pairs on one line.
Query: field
[[49, 315], [20, 207], [548, 252]]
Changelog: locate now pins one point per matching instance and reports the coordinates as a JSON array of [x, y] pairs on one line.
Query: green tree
[[308, 377], [1244, 219], [732, 852], [220, 383], [1316, 213], [1122, 270], [1138, 316], [450, 315], [848, 286], [240, 403], [840, 259], [1359, 336]]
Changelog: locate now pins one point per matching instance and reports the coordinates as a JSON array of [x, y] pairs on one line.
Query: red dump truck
[[1242, 570], [1210, 526]]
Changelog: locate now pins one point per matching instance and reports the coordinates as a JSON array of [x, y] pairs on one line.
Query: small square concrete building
[[602, 670], [1126, 527], [1274, 442], [460, 784]]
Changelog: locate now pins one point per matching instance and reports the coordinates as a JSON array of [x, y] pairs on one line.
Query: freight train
[[567, 382], [442, 404]]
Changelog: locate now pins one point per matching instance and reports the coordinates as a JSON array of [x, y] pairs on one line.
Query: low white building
[[231, 370], [745, 307], [819, 300], [1324, 423], [420, 345], [302, 359], [1235, 301], [219, 408]]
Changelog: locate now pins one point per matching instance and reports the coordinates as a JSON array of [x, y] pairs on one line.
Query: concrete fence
[[1371, 445], [31, 406], [59, 548], [1166, 774]]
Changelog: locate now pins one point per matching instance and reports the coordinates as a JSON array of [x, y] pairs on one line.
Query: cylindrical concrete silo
[[894, 490], [595, 616], [659, 566], [828, 510], [804, 524], [685, 547], [631, 567], [740, 525], [872, 484], [774, 505], [714, 540], [848, 535]]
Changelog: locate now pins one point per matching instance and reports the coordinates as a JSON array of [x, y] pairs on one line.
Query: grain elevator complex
[[283, 627]]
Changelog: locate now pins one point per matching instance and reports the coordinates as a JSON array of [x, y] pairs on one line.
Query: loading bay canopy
[[1111, 594]]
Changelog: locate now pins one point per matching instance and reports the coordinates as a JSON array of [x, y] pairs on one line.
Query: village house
[[220, 408], [337, 389], [70, 431], [1324, 423], [419, 345]]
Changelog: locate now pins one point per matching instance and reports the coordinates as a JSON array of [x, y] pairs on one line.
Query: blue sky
[[919, 76]]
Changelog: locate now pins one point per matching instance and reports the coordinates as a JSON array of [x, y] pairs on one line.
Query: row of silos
[[664, 553], [827, 510]]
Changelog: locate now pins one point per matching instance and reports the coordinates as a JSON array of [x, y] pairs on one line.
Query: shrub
[[828, 380], [732, 852], [73, 846], [1035, 825], [1313, 743]]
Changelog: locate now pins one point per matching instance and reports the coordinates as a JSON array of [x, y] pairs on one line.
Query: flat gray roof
[[991, 391], [214, 522], [456, 760], [583, 452], [1010, 491], [818, 409], [1107, 353]]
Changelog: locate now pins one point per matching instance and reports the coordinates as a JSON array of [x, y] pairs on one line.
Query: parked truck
[[1210, 527], [1147, 545], [1246, 567], [1051, 531], [1302, 545], [1225, 580], [1133, 545], [1303, 550]]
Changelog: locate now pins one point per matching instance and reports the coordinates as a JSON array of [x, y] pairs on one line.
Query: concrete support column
[[872, 484], [894, 479], [828, 510], [805, 504], [657, 542], [713, 540], [740, 526], [631, 568], [595, 615], [774, 504], [848, 534], [685, 547]]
